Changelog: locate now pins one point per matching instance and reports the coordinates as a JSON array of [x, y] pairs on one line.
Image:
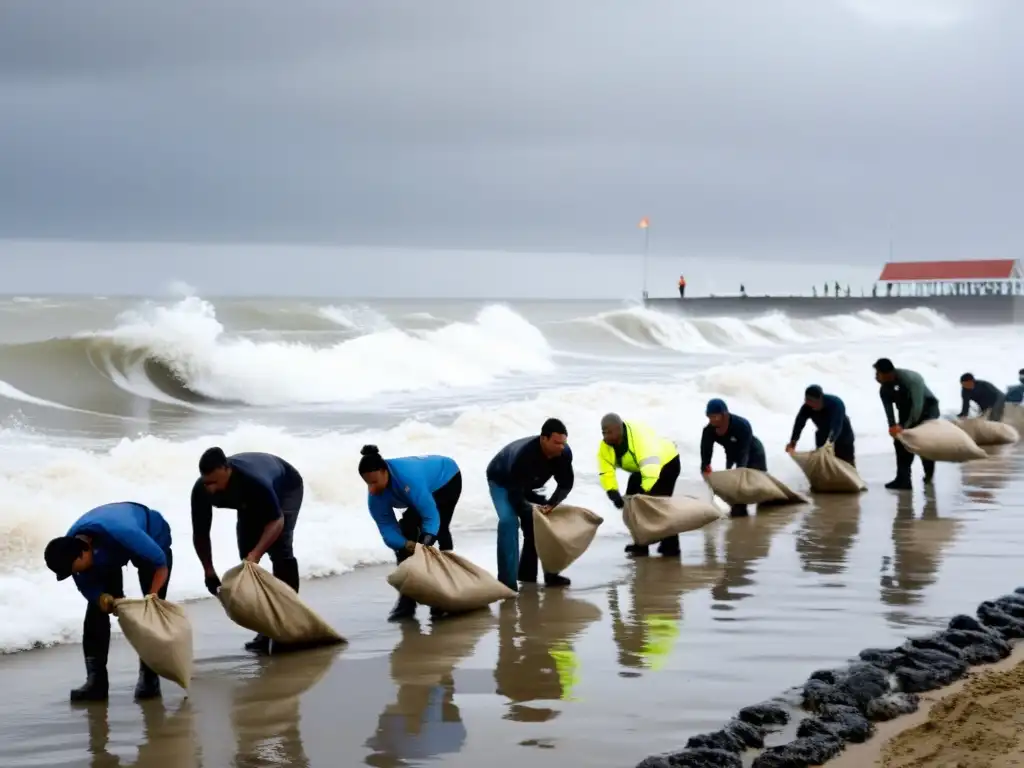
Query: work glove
[[616, 498], [213, 583], [427, 539]]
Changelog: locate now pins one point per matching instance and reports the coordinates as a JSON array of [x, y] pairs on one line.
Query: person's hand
[[616, 499], [706, 471], [410, 547], [895, 429], [790, 447], [213, 583], [253, 557], [427, 539], [106, 603], [546, 509]]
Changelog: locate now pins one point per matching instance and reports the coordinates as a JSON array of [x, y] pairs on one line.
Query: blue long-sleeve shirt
[[521, 468], [258, 482], [738, 441], [412, 481], [121, 533], [831, 420], [1015, 393]]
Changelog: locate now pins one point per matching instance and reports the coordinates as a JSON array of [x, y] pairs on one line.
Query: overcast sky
[[800, 129]]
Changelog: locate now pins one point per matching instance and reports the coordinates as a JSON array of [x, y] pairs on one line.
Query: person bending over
[[1015, 392], [514, 477], [985, 394], [427, 488], [736, 436], [916, 404], [828, 413], [653, 465], [100, 543], [267, 493]]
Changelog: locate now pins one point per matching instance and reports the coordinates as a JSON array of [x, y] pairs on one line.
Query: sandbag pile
[[160, 633], [826, 473], [652, 518], [563, 534], [985, 432], [751, 486], [1013, 414], [940, 440], [256, 599], [446, 581]]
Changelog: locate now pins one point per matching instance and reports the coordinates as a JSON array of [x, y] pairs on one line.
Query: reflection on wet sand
[[265, 708], [982, 477], [827, 534], [536, 661], [746, 540], [918, 545], [424, 721], [646, 635], [168, 740]]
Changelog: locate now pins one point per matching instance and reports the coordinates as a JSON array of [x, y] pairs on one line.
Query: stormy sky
[[802, 130]]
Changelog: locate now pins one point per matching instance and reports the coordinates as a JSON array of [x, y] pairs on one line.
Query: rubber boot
[[555, 580], [929, 471], [669, 547], [637, 550], [259, 644], [148, 685], [738, 510], [96, 686], [899, 483], [405, 608], [437, 613]]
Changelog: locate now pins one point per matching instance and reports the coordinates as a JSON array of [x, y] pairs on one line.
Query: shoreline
[[876, 750]]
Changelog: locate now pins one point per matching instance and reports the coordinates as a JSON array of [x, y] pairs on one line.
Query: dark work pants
[[996, 412], [665, 485], [282, 556], [445, 499], [843, 447], [96, 629], [904, 458]]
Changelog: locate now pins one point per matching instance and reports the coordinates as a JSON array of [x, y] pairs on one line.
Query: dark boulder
[[893, 705], [995, 618], [935, 643], [694, 758], [977, 647], [845, 723], [963, 621], [1011, 604], [734, 737], [809, 750], [764, 714]]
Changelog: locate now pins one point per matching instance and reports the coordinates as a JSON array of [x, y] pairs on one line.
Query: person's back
[[429, 472], [502, 468], [119, 524], [267, 468]]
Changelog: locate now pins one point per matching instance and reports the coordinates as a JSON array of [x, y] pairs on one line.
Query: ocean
[[105, 399]]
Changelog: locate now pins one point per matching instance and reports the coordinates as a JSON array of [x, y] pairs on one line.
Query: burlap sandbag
[[751, 486], [826, 473], [256, 599], [446, 581], [985, 432], [563, 535], [940, 440], [1013, 414], [652, 518], [160, 633]]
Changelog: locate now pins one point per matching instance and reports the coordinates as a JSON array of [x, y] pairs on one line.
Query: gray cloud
[[792, 126]]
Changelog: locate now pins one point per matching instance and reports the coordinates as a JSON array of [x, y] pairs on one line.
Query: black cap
[[884, 365], [814, 392], [61, 554], [967, 377]]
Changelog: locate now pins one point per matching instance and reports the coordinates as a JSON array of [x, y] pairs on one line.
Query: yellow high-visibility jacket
[[646, 453]]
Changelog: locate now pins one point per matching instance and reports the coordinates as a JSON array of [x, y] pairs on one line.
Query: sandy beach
[[633, 659]]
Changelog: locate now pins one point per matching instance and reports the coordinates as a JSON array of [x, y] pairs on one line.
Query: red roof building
[[950, 271]]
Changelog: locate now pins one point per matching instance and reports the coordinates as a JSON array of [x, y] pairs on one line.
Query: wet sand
[[633, 659]]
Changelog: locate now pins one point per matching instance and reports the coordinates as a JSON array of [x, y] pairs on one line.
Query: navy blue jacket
[[121, 533], [831, 419], [521, 468], [259, 482], [739, 442]]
